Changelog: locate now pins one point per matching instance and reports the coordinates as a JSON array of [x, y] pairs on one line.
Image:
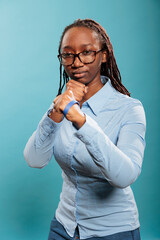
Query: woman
[[95, 131]]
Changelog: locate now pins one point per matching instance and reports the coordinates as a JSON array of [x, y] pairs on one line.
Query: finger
[[71, 95], [75, 84], [77, 89], [86, 89], [76, 94], [56, 98], [56, 107], [71, 81]]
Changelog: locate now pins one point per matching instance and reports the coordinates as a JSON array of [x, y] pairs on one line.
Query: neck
[[93, 87]]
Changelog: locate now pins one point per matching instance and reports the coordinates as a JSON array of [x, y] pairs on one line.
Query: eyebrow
[[83, 45]]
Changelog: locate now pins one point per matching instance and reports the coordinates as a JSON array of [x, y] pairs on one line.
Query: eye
[[87, 52], [67, 55]]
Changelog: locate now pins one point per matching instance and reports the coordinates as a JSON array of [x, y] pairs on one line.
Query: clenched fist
[[78, 89]]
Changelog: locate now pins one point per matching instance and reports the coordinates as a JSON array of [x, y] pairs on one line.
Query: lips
[[77, 74]]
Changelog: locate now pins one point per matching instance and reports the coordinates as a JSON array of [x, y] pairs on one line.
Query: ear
[[104, 56]]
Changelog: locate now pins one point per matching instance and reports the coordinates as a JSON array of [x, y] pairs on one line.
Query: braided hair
[[109, 68]]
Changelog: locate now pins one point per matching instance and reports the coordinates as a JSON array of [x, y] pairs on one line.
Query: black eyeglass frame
[[77, 55]]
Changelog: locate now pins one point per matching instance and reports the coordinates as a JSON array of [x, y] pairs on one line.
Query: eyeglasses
[[85, 57]]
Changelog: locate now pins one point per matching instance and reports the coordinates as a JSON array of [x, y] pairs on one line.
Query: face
[[79, 39]]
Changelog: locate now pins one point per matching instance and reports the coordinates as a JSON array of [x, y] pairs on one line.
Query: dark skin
[[85, 78]]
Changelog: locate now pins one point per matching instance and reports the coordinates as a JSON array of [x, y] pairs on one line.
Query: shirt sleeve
[[121, 163], [39, 148]]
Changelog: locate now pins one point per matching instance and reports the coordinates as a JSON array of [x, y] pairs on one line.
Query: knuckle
[[70, 91]]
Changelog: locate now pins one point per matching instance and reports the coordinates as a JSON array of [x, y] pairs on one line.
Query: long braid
[[110, 68], [65, 80]]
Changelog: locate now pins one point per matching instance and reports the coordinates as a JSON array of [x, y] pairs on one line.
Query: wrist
[[69, 105], [79, 121], [74, 114], [55, 116]]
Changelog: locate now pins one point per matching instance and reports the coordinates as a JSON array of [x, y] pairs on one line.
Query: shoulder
[[133, 109], [130, 109]]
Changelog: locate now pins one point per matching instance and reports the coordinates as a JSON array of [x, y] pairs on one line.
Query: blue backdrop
[[29, 77]]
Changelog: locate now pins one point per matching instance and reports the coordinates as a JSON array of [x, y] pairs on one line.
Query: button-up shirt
[[99, 162]]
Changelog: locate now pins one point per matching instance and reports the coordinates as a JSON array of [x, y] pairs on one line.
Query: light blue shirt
[[99, 162]]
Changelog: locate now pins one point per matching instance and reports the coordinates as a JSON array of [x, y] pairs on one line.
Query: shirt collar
[[97, 101]]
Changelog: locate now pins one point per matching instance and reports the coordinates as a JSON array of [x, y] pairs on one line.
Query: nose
[[77, 62]]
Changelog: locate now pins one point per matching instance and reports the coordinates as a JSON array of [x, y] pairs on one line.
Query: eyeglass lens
[[84, 58]]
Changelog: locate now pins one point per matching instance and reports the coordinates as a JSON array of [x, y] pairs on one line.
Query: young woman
[[95, 131]]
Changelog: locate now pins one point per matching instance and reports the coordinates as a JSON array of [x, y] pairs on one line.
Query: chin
[[82, 80]]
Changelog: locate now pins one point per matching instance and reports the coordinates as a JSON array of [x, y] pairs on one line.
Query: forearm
[[116, 166], [119, 166], [39, 148], [36, 157], [55, 116]]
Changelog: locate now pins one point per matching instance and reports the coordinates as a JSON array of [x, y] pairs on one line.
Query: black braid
[[110, 68]]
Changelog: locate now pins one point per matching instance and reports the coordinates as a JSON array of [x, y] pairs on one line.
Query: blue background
[[30, 31]]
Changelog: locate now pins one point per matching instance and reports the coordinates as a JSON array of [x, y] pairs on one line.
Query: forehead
[[79, 36]]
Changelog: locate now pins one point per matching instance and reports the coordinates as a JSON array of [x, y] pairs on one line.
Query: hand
[[78, 89], [61, 101], [74, 114], [74, 91]]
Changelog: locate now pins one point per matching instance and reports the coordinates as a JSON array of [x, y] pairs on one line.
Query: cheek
[[93, 68], [96, 67], [67, 71]]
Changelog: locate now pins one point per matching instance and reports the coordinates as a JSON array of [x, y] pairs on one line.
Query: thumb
[[86, 89], [56, 98]]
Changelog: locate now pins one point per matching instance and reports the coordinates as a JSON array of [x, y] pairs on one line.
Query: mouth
[[78, 74]]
